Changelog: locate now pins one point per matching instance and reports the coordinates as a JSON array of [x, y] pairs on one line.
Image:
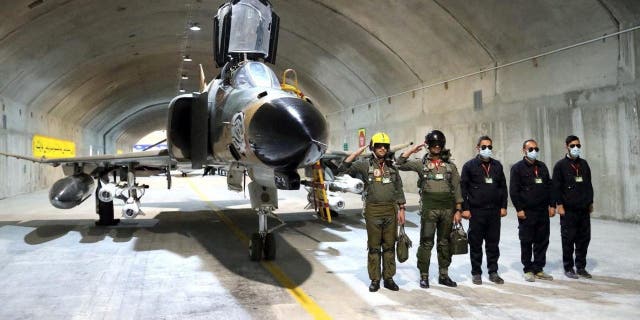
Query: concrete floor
[[187, 259]]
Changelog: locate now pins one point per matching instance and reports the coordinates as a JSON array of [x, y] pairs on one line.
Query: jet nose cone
[[288, 133]]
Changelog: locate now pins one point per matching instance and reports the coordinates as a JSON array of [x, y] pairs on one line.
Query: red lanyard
[[535, 170], [436, 163], [381, 165], [576, 168], [486, 169]]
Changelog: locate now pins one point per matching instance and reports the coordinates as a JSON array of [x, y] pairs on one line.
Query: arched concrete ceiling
[[103, 64]]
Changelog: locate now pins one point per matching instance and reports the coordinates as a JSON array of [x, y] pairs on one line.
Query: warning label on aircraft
[[52, 148]]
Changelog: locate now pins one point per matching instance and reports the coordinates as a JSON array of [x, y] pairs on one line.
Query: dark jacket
[[525, 192], [476, 193], [567, 191]]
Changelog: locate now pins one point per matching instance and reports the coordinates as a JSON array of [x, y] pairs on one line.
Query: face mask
[[486, 153], [532, 155], [574, 152]]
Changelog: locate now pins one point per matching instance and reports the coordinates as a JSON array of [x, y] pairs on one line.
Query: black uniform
[[484, 191], [572, 188], [530, 190]]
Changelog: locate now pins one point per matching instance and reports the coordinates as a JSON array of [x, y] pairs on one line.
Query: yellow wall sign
[[52, 148]]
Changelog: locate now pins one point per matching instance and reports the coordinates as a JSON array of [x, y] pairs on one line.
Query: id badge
[[378, 179], [538, 180], [578, 179], [488, 180], [439, 176], [386, 180]]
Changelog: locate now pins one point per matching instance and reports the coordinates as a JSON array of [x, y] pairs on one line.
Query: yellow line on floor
[[296, 292]]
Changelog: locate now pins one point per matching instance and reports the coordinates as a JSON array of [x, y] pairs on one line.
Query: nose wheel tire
[[270, 247], [255, 247], [262, 248]]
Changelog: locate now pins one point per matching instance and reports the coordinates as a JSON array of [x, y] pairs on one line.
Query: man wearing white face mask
[[530, 190], [573, 195], [484, 194]]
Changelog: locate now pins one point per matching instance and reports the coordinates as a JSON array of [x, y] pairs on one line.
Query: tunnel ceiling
[[113, 66]]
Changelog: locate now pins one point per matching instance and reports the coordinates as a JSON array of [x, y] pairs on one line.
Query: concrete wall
[[16, 133], [592, 91]]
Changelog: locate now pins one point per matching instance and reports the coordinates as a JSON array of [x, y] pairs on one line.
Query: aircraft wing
[[150, 158]]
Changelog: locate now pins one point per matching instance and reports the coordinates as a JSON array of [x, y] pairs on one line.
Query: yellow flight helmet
[[380, 138]]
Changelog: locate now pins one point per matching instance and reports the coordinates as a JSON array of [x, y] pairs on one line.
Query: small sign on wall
[[362, 137]]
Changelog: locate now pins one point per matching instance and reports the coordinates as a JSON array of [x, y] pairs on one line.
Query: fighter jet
[[231, 122]]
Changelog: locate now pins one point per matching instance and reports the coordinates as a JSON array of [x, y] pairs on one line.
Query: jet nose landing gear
[[264, 200], [262, 245]]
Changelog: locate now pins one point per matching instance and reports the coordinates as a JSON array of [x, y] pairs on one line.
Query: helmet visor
[[434, 143], [380, 145]]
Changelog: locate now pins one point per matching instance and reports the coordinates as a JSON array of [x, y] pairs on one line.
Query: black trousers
[[575, 230], [534, 239], [484, 225]]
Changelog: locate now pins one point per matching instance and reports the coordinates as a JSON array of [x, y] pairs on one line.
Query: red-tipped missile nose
[[288, 133]]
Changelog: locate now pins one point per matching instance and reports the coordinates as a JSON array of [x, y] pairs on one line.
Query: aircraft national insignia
[[237, 132]]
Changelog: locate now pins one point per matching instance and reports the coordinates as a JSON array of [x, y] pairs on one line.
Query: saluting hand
[[355, 154], [413, 150]]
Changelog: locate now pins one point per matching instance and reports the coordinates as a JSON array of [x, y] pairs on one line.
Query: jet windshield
[[255, 74]]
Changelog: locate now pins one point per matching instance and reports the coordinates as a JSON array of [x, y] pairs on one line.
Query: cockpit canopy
[[245, 29], [254, 74]]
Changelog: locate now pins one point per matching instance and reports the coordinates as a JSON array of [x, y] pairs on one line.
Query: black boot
[[389, 284], [374, 286], [424, 281], [446, 281], [495, 278], [584, 273]]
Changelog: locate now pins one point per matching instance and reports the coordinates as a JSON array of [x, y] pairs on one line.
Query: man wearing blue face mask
[[530, 190], [484, 194], [573, 195]]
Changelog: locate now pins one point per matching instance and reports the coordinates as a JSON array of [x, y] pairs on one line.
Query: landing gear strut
[[263, 243], [104, 209]]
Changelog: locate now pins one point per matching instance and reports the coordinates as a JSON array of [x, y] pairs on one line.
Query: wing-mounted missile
[[245, 29], [107, 192], [71, 191], [131, 209], [346, 183], [398, 147], [336, 202]]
